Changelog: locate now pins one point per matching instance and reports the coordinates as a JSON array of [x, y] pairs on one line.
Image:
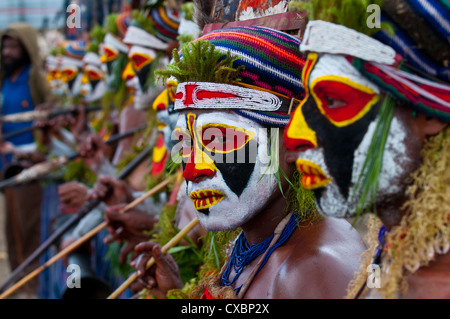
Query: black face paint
[[72, 82], [94, 84], [143, 76], [339, 143], [237, 175]]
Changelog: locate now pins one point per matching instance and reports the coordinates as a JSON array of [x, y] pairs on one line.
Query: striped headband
[[269, 85], [380, 63], [166, 22], [75, 49], [123, 22]]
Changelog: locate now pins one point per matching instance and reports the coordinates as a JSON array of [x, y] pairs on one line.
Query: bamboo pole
[[151, 261], [83, 239]]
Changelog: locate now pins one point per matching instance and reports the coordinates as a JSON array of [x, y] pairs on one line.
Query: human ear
[[429, 126], [433, 126]]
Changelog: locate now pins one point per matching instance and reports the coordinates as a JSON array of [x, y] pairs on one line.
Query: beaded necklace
[[243, 254]]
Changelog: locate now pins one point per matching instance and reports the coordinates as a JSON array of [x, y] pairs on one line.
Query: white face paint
[[71, 70], [141, 59], [331, 200], [236, 205], [338, 65], [393, 171], [93, 85]]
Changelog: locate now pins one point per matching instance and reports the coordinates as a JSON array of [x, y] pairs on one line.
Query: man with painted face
[[93, 84], [72, 68], [373, 136], [229, 114], [151, 38]]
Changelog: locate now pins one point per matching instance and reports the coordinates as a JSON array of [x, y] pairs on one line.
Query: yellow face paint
[[222, 138], [312, 174], [198, 162], [206, 198], [140, 60], [128, 73], [340, 100]]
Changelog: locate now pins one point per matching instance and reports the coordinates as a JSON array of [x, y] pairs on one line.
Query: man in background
[[23, 87]]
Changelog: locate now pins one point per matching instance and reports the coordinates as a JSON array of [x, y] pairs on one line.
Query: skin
[[303, 261], [12, 50]]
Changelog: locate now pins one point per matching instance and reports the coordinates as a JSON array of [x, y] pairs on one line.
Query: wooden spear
[[151, 261], [83, 239], [83, 211], [42, 114], [42, 169]]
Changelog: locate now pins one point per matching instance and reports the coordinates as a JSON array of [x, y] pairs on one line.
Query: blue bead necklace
[[243, 254]]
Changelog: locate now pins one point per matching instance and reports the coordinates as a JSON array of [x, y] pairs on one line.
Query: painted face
[[141, 60], [225, 177], [53, 77], [93, 84], [333, 128], [166, 121], [114, 56], [71, 76]]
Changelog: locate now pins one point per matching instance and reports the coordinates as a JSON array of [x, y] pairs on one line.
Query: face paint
[[226, 191], [333, 132], [71, 76], [166, 121], [341, 94], [140, 63], [93, 84], [53, 78], [113, 54]]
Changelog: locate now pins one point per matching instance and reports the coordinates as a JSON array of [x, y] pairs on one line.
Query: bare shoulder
[[322, 260]]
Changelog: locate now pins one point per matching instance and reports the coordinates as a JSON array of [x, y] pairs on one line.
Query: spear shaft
[[83, 211], [41, 169]]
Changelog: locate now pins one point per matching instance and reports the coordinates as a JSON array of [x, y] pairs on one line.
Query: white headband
[[112, 41], [139, 49], [137, 36], [92, 58], [327, 37], [208, 95], [67, 61]]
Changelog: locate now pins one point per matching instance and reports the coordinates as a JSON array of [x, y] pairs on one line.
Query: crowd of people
[[275, 125]]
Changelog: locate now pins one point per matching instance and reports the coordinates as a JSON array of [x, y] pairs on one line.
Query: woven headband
[[269, 86], [208, 95]]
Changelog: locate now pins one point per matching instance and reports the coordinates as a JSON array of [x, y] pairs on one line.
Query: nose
[[162, 101], [85, 79], [298, 136], [104, 58], [128, 73], [199, 166]]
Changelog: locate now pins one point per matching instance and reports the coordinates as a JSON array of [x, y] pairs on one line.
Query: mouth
[[160, 125], [313, 176], [206, 198]]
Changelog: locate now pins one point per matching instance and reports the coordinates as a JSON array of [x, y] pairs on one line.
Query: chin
[[330, 202]]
